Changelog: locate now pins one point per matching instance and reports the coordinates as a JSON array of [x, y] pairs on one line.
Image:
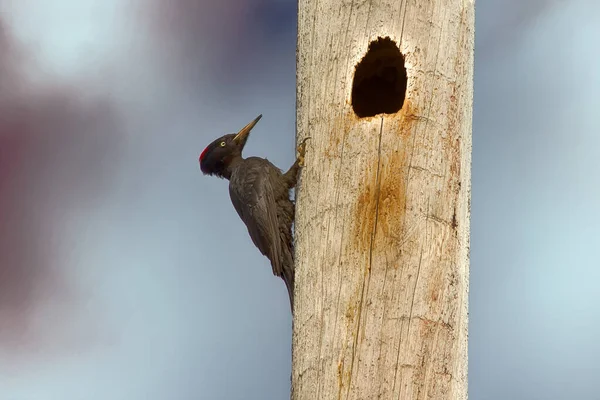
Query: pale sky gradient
[[126, 274]]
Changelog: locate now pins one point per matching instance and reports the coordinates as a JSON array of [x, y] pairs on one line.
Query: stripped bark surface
[[382, 224]]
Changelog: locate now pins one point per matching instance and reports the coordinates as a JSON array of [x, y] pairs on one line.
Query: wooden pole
[[382, 223]]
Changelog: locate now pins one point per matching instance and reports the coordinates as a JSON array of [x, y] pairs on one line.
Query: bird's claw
[[301, 151]]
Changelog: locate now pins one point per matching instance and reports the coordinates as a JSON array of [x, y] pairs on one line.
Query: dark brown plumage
[[260, 194]]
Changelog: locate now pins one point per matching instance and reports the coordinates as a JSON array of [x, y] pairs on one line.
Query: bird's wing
[[251, 193]]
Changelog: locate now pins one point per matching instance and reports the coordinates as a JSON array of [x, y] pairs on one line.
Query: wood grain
[[383, 207]]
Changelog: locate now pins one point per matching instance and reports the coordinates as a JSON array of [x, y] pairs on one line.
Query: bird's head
[[216, 158]]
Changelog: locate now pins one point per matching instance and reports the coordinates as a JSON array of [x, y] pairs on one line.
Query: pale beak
[[242, 135]]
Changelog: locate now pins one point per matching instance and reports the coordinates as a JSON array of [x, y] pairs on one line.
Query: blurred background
[[126, 274]]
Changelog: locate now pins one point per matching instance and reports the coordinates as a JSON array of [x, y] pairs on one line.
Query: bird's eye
[[222, 144]]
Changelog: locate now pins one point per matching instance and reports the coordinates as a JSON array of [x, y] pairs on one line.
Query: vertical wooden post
[[382, 224]]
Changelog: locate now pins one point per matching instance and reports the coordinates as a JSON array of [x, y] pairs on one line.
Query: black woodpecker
[[260, 194]]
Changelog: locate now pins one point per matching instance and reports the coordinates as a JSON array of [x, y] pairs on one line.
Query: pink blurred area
[[60, 148], [57, 147]]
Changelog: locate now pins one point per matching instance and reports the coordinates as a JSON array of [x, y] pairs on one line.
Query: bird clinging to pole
[[260, 194]]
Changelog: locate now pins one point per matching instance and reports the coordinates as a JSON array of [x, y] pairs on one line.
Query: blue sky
[[117, 275]]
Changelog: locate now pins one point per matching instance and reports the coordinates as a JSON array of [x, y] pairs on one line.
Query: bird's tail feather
[[288, 278]]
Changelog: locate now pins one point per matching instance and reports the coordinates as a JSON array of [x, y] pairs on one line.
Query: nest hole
[[379, 85]]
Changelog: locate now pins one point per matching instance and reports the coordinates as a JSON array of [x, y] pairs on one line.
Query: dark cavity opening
[[379, 85]]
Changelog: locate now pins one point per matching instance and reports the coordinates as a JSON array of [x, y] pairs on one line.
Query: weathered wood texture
[[382, 225]]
